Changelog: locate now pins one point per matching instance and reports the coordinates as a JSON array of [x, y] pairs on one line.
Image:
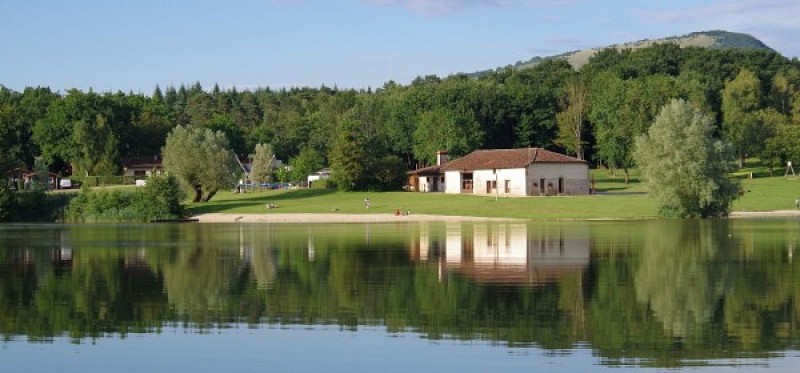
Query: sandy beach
[[388, 218], [333, 218], [765, 214]]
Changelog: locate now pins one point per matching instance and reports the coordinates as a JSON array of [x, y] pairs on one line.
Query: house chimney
[[441, 157]]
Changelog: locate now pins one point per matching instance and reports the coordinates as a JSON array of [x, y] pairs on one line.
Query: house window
[[508, 186], [466, 181], [491, 185]]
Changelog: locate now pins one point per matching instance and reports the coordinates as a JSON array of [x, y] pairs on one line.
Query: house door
[[541, 187]]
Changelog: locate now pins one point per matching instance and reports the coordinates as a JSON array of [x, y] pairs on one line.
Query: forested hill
[[716, 39]]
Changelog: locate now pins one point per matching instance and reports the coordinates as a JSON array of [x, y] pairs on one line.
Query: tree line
[[369, 137]]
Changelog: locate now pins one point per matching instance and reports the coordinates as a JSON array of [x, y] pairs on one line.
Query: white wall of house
[[574, 179], [556, 170], [452, 182], [142, 172], [515, 177], [428, 183]]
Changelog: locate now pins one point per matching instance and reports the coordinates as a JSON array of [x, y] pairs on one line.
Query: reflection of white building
[[509, 252]]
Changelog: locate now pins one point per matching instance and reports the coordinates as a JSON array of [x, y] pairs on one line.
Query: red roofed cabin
[[516, 172], [431, 178], [142, 166]]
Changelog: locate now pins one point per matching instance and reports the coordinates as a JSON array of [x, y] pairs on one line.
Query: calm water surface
[[707, 296]]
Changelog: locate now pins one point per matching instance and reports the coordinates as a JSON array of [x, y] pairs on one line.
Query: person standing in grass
[[366, 202]]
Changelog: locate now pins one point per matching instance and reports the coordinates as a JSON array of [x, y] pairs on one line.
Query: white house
[[142, 166], [516, 172]]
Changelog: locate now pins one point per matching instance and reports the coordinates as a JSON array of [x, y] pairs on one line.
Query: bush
[[160, 199], [323, 184], [6, 203], [32, 205]]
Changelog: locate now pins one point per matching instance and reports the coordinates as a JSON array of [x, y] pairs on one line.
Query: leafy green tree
[[308, 161], [783, 143], [225, 124], [95, 150], [614, 141], [684, 166], [76, 129], [741, 99], [200, 159], [455, 131], [261, 168], [571, 120], [350, 157], [390, 173], [785, 86]]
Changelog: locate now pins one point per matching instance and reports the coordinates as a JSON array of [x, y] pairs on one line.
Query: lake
[[707, 296]]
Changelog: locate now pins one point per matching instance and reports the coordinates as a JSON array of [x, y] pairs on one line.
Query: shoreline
[[333, 218], [391, 218]]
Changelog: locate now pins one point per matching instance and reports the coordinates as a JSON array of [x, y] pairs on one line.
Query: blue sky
[[132, 45]]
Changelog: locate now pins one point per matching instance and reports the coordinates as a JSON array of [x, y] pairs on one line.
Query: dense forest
[[594, 113]]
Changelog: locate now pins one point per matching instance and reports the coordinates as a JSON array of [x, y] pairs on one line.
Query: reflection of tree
[[199, 280], [678, 274], [646, 285]]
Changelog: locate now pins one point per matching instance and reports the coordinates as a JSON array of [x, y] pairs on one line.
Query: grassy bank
[[614, 199]]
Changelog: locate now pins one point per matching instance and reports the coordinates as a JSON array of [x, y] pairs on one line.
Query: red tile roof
[[506, 158], [142, 162], [430, 170]]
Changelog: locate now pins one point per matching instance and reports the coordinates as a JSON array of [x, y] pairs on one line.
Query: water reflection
[[506, 253], [661, 293]]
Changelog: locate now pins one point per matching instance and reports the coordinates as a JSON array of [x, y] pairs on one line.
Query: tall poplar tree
[[741, 100], [571, 119]]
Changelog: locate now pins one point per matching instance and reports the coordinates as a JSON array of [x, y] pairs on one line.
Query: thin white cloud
[[441, 7], [735, 14]]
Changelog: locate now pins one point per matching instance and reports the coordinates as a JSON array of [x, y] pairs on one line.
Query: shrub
[[160, 199], [32, 205], [6, 202]]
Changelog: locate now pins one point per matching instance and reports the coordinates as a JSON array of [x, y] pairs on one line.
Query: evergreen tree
[[157, 95]]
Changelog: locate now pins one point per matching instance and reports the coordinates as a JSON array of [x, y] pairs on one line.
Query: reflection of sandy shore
[[765, 214], [331, 218]]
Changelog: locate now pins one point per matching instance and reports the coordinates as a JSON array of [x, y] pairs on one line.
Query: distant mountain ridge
[[715, 39]]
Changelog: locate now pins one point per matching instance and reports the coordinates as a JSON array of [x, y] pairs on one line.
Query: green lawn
[[320, 201], [614, 199], [768, 193]]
